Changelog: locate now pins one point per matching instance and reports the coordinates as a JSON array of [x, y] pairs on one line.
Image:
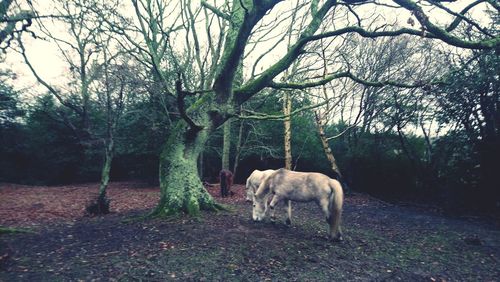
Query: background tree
[[469, 101], [113, 86], [205, 109], [11, 13], [11, 132], [88, 53]]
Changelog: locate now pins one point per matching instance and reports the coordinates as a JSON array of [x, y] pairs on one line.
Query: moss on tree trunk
[[226, 145], [181, 188], [101, 204], [106, 169]]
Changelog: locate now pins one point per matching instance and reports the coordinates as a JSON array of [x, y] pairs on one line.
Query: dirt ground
[[382, 242]]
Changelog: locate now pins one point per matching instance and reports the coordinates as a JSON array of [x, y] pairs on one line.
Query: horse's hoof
[[337, 239], [288, 221]]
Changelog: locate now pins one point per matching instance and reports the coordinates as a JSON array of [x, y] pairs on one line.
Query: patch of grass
[[10, 230]]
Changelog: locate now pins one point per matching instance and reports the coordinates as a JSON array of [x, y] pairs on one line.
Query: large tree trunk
[[181, 188]]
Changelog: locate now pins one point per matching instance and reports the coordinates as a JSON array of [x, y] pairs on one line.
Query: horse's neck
[[263, 189]]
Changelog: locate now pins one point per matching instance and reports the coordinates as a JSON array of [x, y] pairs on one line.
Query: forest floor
[[382, 241]]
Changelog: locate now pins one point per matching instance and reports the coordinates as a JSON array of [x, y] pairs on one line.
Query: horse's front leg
[[274, 201]]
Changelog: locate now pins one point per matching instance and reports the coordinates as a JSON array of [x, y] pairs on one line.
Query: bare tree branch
[[216, 11], [262, 116], [51, 89]]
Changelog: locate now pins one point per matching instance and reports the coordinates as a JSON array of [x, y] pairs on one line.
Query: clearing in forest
[[382, 241]]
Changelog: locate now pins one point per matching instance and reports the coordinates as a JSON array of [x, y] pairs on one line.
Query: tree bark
[[106, 168], [239, 144], [226, 145], [287, 109], [200, 165], [181, 188], [326, 147]]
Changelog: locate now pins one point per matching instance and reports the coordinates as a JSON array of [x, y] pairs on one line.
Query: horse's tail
[[249, 189], [335, 207], [247, 185]]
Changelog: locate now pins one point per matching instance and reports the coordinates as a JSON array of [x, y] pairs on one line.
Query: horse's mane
[[263, 187]]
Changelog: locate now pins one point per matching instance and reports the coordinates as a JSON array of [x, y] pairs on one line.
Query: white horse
[[302, 187], [253, 183], [254, 180]]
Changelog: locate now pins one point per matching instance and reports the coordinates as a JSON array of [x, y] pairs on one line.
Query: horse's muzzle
[[256, 218]]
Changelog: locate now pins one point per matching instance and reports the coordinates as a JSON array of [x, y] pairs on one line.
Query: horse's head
[[259, 209]]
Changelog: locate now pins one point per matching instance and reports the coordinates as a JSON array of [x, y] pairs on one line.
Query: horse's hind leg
[[325, 207], [333, 219], [336, 216], [335, 230]]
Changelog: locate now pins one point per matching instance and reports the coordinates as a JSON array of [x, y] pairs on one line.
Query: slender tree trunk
[[200, 165], [405, 148], [326, 147], [106, 168], [238, 149], [101, 204], [287, 109], [226, 146], [181, 188]]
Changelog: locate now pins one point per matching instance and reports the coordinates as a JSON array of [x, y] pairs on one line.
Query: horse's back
[[299, 179], [257, 177], [254, 177], [300, 186]]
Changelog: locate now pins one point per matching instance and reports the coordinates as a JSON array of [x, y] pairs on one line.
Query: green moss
[[193, 207], [181, 188], [7, 230]]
